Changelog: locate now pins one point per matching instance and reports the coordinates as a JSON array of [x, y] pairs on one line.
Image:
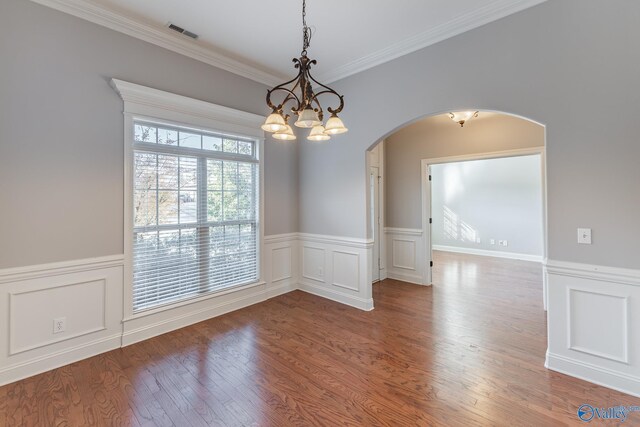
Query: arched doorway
[[403, 242]]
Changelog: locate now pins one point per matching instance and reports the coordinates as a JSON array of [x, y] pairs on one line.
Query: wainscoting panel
[[31, 313], [313, 262], [403, 253], [406, 259], [281, 263], [346, 273], [603, 337], [594, 321], [337, 268], [86, 294]]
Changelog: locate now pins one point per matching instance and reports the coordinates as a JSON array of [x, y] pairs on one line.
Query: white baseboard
[[406, 277], [51, 361], [485, 252], [353, 301], [275, 291], [594, 374], [210, 309]]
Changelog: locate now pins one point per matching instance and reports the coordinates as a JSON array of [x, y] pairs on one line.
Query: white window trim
[[144, 103]]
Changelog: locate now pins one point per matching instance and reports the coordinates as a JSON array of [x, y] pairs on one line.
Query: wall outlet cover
[[584, 236], [59, 325]]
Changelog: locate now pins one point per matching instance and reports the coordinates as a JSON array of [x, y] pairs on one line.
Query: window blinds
[[195, 213]]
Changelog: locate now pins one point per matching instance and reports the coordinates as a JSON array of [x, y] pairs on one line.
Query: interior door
[[374, 185]]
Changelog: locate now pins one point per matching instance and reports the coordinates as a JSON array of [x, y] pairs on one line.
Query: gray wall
[[61, 132], [568, 64], [498, 199], [435, 137]]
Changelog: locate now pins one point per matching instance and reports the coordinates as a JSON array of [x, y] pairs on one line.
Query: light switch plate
[[584, 236]]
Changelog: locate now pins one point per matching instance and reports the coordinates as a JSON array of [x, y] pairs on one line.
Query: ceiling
[[258, 39]]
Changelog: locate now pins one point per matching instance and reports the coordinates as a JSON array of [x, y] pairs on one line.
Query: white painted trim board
[[485, 252]]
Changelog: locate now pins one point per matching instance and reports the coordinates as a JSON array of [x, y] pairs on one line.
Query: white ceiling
[[258, 38]]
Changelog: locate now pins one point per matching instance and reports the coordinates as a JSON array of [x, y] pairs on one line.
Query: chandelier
[[303, 101], [461, 117]]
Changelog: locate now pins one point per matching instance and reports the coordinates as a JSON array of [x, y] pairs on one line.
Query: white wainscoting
[[406, 259], [87, 293], [594, 324], [336, 268]]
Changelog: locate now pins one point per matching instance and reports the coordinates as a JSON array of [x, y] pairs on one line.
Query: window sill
[[194, 300]]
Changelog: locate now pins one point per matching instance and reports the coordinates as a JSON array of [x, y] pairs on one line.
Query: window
[[195, 213]]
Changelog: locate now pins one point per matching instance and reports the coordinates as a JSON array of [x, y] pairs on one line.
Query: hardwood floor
[[468, 351]]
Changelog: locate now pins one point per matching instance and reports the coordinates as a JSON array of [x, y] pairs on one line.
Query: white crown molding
[[159, 36], [491, 12]]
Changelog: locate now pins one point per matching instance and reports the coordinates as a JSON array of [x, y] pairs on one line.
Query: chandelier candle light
[[305, 104]]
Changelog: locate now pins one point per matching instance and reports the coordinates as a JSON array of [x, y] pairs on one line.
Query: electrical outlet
[[320, 271], [478, 240], [59, 325], [492, 241], [504, 243]]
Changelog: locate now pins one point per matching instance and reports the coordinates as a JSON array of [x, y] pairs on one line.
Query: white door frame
[[426, 199], [374, 211]]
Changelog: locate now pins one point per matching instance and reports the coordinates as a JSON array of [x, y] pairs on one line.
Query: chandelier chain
[[306, 31]]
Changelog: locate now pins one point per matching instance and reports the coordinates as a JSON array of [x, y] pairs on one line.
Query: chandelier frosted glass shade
[[274, 123], [334, 126], [318, 134], [285, 135], [308, 118]]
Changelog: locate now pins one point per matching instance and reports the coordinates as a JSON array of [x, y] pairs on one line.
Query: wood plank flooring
[[468, 351]]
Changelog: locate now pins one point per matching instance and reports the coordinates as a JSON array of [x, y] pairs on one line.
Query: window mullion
[[203, 229]]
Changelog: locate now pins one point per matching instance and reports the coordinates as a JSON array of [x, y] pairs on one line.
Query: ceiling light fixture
[[305, 103], [461, 117]]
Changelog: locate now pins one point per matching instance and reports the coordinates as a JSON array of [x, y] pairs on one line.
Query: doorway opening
[[404, 237], [489, 205]]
